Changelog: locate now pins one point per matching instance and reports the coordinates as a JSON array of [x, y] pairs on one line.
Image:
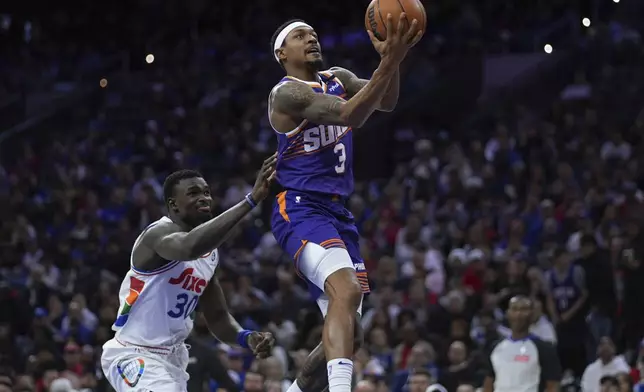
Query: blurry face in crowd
[[458, 329], [409, 332], [465, 388], [419, 382], [192, 201], [417, 292], [302, 49], [457, 353], [563, 260], [72, 356], [49, 376], [520, 314], [253, 382], [421, 355], [608, 386], [606, 349], [378, 337]]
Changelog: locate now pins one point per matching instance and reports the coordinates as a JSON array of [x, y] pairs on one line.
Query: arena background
[[518, 134]]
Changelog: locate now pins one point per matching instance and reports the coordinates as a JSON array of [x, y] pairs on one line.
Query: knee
[[342, 287]]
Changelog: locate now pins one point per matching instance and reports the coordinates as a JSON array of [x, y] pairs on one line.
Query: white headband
[[279, 41]]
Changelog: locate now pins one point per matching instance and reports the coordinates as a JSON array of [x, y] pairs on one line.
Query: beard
[[315, 65]]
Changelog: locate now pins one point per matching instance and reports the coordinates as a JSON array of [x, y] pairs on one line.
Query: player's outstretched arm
[[353, 84], [224, 326], [172, 243], [299, 100]]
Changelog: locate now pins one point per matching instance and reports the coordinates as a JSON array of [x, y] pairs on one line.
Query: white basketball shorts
[[138, 368]]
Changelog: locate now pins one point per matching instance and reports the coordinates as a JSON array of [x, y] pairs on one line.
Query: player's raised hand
[[398, 40], [264, 179], [261, 343]]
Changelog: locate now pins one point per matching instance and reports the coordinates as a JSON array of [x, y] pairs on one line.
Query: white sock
[[294, 388], [340, 371]]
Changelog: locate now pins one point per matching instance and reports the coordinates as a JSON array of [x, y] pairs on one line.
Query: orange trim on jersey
[[297, 130], [333, 243], [312, 84], [301, 152], [296, 258], [364, 281], [281, 202], [337, 79]]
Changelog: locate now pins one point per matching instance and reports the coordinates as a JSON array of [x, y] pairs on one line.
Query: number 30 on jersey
[[186, 304]]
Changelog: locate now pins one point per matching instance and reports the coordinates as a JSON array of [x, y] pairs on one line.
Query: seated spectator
[[607, 365]]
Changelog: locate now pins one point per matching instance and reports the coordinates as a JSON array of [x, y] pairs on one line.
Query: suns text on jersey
[[322, 136]]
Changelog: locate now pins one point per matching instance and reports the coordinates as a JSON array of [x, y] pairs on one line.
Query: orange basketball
[[376, 17]]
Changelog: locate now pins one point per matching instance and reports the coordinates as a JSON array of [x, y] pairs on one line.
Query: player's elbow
[[387, 106], [352, 120]]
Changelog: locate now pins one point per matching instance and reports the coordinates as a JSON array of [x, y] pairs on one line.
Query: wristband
[[242, 338], [250, 201]]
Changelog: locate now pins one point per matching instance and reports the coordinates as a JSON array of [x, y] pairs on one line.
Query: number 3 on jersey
[[185, 306], [340, 151]]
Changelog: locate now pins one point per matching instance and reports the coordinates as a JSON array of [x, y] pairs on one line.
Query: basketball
[[376, 17]]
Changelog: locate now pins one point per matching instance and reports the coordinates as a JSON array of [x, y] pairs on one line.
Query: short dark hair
[[613, 381], [174, 178], [278, 31]]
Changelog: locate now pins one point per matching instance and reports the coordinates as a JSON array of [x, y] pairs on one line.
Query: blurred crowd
[[473, 218]]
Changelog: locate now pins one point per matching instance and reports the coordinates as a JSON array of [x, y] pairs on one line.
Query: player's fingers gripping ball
[[377, 11]]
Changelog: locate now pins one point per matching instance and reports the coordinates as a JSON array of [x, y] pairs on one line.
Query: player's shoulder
[[156, 230], [290, 95], [343, 74]]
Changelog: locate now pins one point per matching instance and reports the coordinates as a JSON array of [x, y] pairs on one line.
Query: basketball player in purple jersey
[[314, 113]]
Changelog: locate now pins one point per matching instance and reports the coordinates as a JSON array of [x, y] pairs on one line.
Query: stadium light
[[547, 48], [585, 22], [615, 1], [149, 58]]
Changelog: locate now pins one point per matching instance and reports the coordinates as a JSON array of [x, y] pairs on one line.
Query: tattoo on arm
[[299, 100], [352, 83]]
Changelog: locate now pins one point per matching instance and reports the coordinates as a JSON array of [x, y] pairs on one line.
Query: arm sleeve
[[549, 361]]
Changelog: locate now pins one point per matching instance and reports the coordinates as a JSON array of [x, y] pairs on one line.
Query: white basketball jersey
[[157, 307]]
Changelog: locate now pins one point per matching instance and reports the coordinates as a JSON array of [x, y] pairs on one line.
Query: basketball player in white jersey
[[172, 268]]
